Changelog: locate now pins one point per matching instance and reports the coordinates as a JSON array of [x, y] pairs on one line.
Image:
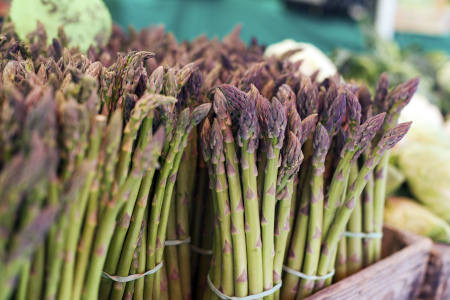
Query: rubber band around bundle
[[363, 235], [132, 277], [250, 297], [200, 251], [308, 277], [177, 242]]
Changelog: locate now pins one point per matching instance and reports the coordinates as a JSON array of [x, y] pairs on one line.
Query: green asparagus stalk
[[321, 144], [307, 126], [215, 272], [354, 245], [223, 206], [273, 123], [237, 206], [168, 216], [341, 251], [139, 285], [129, 288], [171, 259], [367, 201], [296, 249], [202, 213], [164, 284], [207, 243], [341, 260], [297, 246], [182, 217], [292, 158], [37, 275], [248, 136], [21, 293]]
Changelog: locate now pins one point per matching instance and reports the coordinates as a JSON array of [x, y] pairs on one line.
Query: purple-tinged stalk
[[215, 272], [321, 144], [247, 137], [223, 207], [292, 159], [235, 195], [274, 127]]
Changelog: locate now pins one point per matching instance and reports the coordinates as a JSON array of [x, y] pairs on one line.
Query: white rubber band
[[177, 242], [307, 277], [200, 251], [132, 277], [363, 235], [251, 297]]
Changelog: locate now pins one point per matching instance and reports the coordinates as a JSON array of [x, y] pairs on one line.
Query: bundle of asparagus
[[103, 155], [364, 248], [326, 202], [243, 239]]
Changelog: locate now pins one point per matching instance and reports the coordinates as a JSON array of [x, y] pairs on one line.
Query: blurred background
[[325, 23]]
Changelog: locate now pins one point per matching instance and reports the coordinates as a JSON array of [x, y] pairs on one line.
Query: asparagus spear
[[247, 136], [292, 159], [354, 245], [189, 82], [320, 147], [223, 207], [235, 195], [274, 126], [171, 259], [216, 259], [139, 285]]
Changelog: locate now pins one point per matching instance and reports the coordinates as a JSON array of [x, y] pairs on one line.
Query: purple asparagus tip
[[393, 136], [309, 125]]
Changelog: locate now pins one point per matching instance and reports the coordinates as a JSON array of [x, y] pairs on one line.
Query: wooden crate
[[437, 278], [399, 275]]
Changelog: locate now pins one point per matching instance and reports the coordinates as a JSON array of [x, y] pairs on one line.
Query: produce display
[[152, 169]]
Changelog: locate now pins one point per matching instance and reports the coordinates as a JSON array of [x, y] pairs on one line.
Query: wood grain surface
[[398, 276], [437, 277]]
